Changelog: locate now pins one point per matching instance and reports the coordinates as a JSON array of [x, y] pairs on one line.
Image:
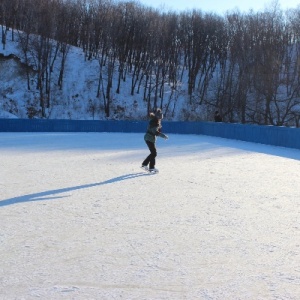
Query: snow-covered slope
[[78, 98]]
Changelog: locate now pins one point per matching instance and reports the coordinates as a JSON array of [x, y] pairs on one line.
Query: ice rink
[[80, 220]]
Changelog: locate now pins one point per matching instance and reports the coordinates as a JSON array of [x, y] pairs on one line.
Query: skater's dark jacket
[[153, 130]]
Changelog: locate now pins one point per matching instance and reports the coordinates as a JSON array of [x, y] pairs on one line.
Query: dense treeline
[[244, 65]]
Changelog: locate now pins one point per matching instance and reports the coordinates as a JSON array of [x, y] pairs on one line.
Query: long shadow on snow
[[42, 195]]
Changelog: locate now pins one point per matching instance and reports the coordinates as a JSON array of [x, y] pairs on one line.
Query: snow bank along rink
[[80, 220]]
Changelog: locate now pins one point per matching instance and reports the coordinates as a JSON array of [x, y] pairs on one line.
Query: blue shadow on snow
[[42, 195]]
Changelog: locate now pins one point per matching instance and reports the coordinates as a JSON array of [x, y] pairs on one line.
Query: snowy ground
[[80, 220]]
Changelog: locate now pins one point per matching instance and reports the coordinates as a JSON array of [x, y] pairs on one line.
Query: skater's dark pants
[[151, 157]]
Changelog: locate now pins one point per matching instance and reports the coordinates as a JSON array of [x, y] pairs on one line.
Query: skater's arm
[[155, 130], [160, 134], [164, 136]]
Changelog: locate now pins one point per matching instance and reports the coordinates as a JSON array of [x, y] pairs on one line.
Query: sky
[[218, 6]]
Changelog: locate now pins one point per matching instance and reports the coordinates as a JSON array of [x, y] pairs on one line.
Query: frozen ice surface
[[79, 219]]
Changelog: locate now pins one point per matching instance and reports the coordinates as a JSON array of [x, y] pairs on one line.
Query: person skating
[[153, 130]]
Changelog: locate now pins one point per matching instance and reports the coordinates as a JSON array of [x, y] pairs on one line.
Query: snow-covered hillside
[[78, 98]]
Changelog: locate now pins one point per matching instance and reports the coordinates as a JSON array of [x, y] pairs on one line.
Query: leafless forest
[[246, 65]]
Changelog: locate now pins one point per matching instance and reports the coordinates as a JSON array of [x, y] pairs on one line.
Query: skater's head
[[158, 114]]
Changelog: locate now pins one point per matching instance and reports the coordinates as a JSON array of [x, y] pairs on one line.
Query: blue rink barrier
[[44, 125], [270, 135]]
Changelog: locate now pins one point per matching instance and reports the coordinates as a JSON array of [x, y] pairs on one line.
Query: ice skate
[[145, 168], [153, 171]]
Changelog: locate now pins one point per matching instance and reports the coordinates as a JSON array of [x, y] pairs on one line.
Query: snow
[[78, 98], [80, 220], [6, 115]]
